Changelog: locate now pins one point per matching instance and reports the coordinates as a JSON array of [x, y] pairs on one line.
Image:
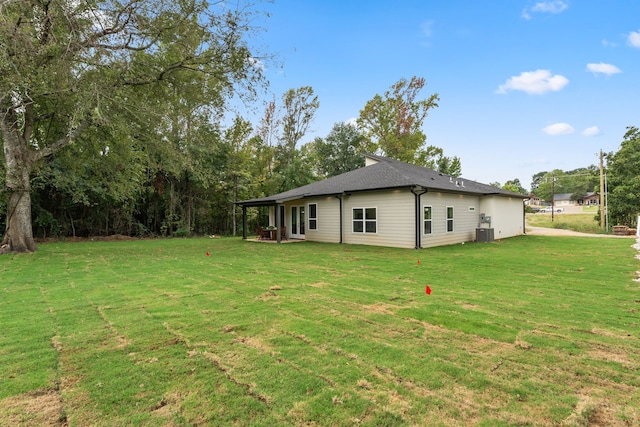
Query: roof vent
[[451, 179], [462, 184]]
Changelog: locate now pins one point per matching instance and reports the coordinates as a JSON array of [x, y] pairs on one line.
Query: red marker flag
[[418, 262], [208, 254], [428, 290]]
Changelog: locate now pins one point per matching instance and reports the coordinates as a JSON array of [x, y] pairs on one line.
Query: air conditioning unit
[[484, 235]]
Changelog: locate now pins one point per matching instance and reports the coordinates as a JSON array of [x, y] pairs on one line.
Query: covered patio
[[273, 232]]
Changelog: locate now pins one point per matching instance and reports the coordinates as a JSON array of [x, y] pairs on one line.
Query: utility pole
[[602, 202], [553, 195]]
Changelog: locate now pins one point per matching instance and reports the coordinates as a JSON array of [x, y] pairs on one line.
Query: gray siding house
[[392, 203]]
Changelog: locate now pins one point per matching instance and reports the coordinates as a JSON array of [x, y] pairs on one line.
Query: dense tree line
[[115, 119]]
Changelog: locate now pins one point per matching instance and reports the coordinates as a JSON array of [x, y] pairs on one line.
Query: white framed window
[[427, 213], [313, 216], [449, 219], [365, 220]]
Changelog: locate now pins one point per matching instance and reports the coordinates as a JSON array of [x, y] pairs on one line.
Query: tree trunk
[[19, 234], [18, 159]]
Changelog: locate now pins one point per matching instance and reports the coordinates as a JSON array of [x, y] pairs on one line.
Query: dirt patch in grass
[[609, 356], [380, 307], [40, 408], [170, 404], [319, 285], [256, 343], [267, 296], [592, 412]]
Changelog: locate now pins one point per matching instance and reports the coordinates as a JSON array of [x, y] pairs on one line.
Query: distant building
[[564, 199], [533, 200]]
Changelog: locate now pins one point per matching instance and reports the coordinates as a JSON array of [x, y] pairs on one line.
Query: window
[[313, 216], [427, 219], [365, 220], [449, 219]]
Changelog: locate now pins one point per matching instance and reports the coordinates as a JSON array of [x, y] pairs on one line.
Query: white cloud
[[603, 68], [558, 129], [534, 82], [554, 6], [607, 43], [634, 38], [592, 131]]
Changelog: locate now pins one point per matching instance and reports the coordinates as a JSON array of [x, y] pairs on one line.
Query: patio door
[[297, 222]]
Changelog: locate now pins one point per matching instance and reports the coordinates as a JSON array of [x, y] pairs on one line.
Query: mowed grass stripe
[[530, 330]]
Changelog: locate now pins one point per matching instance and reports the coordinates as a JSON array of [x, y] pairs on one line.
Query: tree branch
[[63, 142]]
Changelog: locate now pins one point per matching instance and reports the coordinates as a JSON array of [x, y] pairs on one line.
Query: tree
[[433, 157], [536, 180], [553, 182], [624, 181], [576, 182], [393, 123], [68, 67], [300, 106], [339, 152], [515, 186], [237, 176]]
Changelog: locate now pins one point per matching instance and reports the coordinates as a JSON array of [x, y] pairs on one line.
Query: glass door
[[297, 222]]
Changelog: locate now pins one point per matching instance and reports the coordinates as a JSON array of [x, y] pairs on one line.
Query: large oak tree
[[68, 67]]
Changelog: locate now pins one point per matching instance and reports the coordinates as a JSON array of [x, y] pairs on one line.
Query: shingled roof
[[385, 174]]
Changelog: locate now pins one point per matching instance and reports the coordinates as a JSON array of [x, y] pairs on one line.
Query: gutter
[[417, 192]]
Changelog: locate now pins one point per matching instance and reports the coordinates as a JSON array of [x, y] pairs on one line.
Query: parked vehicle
[[548, 209]]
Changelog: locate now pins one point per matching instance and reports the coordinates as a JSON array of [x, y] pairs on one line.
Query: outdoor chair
[[283, 232], [261, 233]]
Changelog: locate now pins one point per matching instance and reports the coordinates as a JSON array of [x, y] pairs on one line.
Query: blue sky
[[524, 86]]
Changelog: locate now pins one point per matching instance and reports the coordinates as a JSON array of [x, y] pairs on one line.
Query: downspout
[[524, 216], [420, 192], [339, 197]]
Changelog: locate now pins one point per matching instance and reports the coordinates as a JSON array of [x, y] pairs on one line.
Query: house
[[391, 203], [565, 199], [533, 200]]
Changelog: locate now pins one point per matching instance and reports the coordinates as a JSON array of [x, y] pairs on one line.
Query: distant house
[[391, 203], [564, 199], [533, 200], [591, 199]]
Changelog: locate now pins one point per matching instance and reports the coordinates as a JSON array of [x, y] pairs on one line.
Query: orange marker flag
[[418, 262], [208, 254]]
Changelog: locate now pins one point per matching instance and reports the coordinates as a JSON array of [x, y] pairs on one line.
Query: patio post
[[244, 222], [277, 222]]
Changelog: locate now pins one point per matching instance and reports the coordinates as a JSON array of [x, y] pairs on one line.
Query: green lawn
[[584, 223], [530, 330]]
